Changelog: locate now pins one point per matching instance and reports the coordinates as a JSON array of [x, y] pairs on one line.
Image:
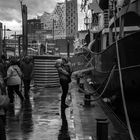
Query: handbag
[[4, 101]]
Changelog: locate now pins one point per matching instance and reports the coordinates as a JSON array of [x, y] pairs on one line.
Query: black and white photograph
[[69, 69]]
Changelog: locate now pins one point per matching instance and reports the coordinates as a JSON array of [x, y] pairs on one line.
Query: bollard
[[81, 85], [87, 100], [102, 129], [78, 80]]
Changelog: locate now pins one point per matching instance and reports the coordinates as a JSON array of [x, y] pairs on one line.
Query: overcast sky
[[10, 11]]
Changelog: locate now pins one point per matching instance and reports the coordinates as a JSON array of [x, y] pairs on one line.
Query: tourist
[[27, 75], [14, 80], [64, 72]]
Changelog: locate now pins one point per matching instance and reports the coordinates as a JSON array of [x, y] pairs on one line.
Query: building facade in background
[[58, 27], [34, 25], [71, 18]]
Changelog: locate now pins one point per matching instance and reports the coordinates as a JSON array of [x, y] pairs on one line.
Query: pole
[[24, 28], [19, 48], [68, 48], [53, 36], [53, 30], [4, 41], [15, 45]]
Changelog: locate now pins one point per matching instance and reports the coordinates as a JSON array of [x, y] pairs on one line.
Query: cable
[[120, 78]]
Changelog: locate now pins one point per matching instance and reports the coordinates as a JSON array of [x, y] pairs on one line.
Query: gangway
[[45, 73]]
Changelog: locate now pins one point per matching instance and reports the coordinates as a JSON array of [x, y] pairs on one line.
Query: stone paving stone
[[40, 119], [85, 117], [37, 119]]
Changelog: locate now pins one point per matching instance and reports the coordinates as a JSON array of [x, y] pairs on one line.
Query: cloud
[[36, 7], [10, 10]]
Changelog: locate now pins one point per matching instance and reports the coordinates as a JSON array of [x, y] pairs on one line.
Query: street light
[[53, 28], [86, 22]]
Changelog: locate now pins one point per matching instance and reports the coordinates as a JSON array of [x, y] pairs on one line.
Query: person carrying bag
[[14, 81]]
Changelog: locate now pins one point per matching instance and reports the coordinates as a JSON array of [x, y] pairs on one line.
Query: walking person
[[27, 74], [2, 120], [14, 80], [2, 76], [64, 72], [4, 103]]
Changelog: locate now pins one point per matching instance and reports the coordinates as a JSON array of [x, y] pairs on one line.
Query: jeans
[[26, 87], [11, 90], [2, 128], [65, 87]]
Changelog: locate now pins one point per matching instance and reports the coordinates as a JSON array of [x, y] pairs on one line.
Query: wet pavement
[[39, 118], [42, 118]]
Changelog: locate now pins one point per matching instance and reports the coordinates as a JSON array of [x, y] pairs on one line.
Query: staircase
[[45, 73]]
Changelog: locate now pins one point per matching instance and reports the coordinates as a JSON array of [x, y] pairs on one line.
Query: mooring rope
[[108, 80], [120, 78]]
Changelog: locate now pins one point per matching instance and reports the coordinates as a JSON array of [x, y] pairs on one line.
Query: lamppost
[[86, 22], [24, 14], [68, 48], [53, 31], [4, 40]]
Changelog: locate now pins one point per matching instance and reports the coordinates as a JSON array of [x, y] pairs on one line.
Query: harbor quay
[[42, 118]]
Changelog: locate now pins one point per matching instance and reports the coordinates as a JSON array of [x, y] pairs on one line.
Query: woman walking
[[14, 80]]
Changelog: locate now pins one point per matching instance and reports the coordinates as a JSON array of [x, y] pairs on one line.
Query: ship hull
[[102, 63]]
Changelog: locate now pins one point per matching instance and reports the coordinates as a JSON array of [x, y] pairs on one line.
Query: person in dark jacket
[[3, 72], [27, 71], [2, 116], [64, 72]]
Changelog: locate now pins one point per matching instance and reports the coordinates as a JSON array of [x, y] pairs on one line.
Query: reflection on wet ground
[[19, 121], [63, 133], [39, 118]]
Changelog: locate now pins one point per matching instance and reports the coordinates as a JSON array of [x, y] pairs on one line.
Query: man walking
[[27, 71]]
